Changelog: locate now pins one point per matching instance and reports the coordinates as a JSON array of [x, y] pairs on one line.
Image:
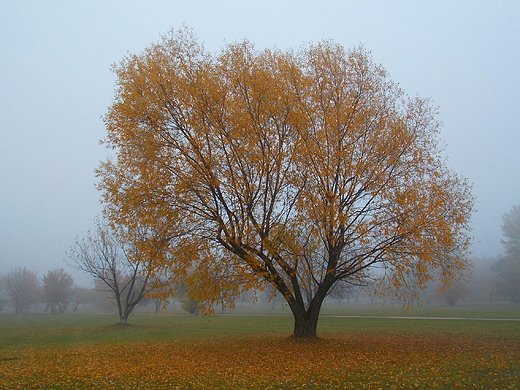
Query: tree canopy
[[22, 287], [57, 290], [298, 169]]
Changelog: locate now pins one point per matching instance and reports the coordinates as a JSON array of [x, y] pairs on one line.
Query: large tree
[[22, 288], [305, 168], [508, 267]]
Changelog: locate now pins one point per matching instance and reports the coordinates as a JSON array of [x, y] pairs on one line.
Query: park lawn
[[498, 310], [254, 352]]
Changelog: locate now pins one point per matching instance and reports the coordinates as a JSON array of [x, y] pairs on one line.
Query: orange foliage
[[308, 168], [339, 362]]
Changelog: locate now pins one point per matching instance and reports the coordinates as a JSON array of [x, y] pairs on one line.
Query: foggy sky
[[56, 84]]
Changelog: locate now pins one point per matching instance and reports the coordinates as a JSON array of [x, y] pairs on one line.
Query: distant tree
[[185, 295], [80, 296], [101, 297], [345, 291], [118, 266], [507, 268], [370, 291], [306, 167], [3, 300], [483, 282], [190, 305], [452, 293], [22, 288], [157, 302], [57, 290]]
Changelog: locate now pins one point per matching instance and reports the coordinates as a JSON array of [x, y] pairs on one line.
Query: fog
[[56, 84]]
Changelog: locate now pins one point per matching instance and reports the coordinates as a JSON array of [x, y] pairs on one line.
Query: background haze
[[56, 84]]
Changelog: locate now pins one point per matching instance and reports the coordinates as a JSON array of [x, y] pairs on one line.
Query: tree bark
[[305, 327], [306, 321], [124, 318]]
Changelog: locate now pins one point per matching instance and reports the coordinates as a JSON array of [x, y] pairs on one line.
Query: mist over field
[[57, 85]]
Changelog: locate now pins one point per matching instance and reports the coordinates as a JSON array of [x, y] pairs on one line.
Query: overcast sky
[[56, 84]]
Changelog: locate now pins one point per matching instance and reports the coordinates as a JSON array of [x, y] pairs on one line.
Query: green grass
[[238, 351], [498, 310], [32, 328]]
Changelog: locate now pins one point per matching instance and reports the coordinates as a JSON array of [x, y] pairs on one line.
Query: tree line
[[21, 288], [22, 291]]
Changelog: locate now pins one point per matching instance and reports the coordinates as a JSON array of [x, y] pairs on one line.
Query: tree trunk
[[306, 321], [305, 327], [124, 318]]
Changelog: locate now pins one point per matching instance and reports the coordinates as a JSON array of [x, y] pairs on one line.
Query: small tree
[[57, 290], [21, 286], [158, 303], [119, 268], [344, 291], [483, 283], [184, 293], [451, 294], [3, 301], [507, 268], [80, 296]]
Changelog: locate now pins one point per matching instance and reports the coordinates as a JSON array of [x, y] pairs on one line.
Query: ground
[[255, 352]]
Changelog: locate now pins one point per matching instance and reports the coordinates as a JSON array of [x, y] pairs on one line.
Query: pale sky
[[56, 84]]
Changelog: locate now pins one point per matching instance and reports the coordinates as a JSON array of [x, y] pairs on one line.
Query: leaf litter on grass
[[270, 362]]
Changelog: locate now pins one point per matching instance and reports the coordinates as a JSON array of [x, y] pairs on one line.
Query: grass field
[[243, 351]]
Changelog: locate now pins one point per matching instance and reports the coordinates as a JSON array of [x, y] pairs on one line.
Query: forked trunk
[[123, 312], [305, 327], [306, 321]]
